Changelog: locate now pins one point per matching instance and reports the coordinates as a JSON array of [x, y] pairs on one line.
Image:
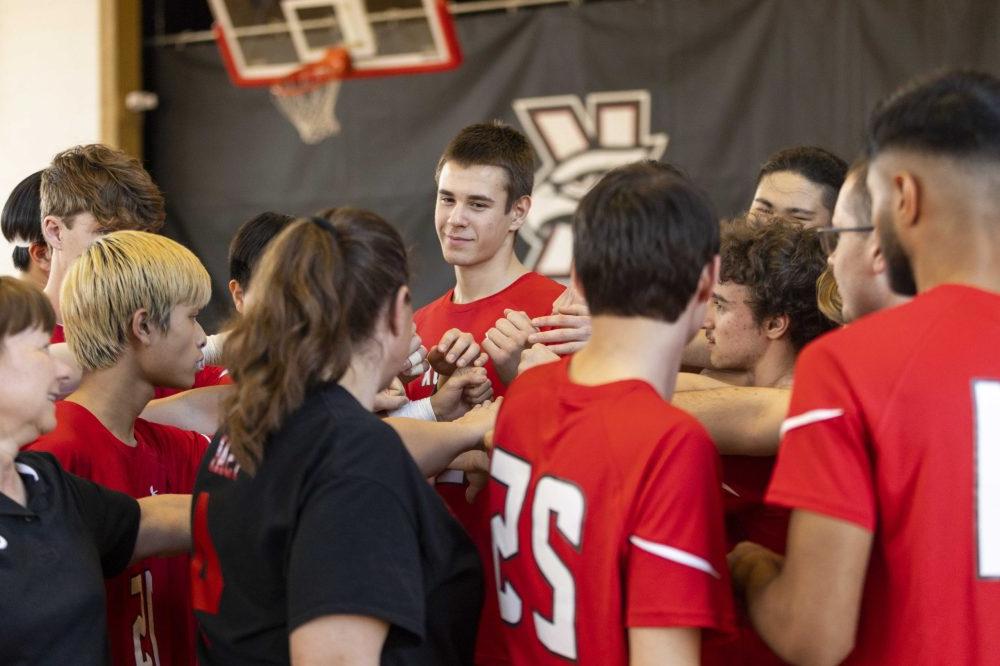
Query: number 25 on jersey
[[552, 497]]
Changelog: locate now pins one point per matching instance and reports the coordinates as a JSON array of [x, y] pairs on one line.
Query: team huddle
[[771, 439]]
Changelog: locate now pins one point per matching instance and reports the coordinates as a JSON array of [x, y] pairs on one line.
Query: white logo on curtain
[[578, 141]]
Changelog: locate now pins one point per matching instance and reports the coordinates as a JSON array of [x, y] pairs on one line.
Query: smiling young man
[[889, 457], [130, 303], [484, 183]]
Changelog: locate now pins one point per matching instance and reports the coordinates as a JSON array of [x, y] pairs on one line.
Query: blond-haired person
[[130, 303], [59, 534]]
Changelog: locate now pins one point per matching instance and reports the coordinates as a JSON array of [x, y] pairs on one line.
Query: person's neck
[[490, 277], [11, 483], [623, 348], [774, 369], [115, 396], [362, 379], [974, 262], [52, 286]]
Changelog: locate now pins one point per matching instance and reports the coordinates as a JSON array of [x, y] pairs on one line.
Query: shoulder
[[540, 288], [171, 440], [76, 430], [39, 463], [656, 426]]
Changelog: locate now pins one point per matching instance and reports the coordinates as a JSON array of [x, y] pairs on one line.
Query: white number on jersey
[[986, 399], [552, 496], [144, 625]]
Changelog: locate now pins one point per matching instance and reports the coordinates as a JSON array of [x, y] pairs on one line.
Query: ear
[[400, 317], [873, 255], [236, 292], [52, 228], [141, 327], [907, 200], [776, 327], [40, 255], [519, 212], [706, 281]]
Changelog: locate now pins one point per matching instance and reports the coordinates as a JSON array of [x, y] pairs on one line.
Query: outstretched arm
[[742, 420], [199, 409], [434, 445], [164, 526]]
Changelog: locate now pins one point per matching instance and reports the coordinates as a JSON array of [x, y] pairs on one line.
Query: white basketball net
[[310, 108]]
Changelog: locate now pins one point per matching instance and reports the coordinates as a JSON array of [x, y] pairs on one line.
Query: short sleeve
[[112, 518], [355, 551], [675, 566], [824, 462]]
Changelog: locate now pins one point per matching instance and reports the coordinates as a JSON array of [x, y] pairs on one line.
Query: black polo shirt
[[54, 555], [336, 520]]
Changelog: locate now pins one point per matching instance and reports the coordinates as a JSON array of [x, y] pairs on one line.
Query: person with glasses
[[854, 254]]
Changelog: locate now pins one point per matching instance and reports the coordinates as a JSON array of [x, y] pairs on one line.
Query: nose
[[709, 322], [455, 217]]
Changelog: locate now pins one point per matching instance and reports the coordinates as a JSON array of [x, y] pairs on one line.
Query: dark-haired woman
[[317, 540]]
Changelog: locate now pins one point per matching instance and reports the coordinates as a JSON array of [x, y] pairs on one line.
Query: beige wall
[[50, 91]]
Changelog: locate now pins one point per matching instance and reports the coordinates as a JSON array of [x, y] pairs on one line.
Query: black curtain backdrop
[[720, 83]]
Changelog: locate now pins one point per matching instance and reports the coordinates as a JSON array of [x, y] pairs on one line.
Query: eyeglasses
[[828, 236]]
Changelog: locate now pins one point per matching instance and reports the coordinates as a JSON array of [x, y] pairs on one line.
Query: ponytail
[[320, 287]]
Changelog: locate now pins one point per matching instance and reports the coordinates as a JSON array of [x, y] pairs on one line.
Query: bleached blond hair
[[117, 275]]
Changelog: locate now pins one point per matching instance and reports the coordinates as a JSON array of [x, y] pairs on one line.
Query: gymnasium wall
[[713, 86], [49, 86]]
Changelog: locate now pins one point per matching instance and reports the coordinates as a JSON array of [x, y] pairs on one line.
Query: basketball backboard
[[263, 42]]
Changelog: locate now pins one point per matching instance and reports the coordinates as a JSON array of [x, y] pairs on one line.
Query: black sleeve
[[355, 552], [111, 517]]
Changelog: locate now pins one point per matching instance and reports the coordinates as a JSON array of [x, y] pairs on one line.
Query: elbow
[[808, 647]]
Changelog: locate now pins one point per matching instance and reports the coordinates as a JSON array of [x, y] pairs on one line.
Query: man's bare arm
[[742, 420], [164, 526], [199, 409], [806, 605]]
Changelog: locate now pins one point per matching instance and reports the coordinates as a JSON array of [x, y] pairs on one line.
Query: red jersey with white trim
[[534, 294], [150, 620], [210, 375], [894, 426], [606, 514]]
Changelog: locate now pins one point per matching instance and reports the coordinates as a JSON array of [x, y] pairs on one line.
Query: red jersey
[[534, 294], [894, 426], [210, 375], [606, 514], [58, 335], [150, 621]]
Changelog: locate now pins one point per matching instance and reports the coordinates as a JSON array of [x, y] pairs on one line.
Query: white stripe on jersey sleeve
[[674, 555], [807, 418]]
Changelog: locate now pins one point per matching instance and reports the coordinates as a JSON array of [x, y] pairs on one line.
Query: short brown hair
[[779, 261], [498, 145], [641, 239], [107, 183], [23, 306]]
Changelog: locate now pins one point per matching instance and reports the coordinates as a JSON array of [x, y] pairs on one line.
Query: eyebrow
[[719, 297], [762, 200], [471, 197]]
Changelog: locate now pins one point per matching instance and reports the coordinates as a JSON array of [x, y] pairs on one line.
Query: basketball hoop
[[308, 96]]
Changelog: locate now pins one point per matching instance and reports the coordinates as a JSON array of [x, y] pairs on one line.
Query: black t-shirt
[[336, 520], [54, 555]]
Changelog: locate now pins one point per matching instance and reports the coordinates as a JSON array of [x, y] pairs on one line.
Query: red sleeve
[[824, 462], [675, 562]]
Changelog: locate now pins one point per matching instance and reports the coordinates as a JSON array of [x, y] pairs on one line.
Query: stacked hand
[[505, 341], [476, 465], [457, 349], [460, 392], [391, 398]]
